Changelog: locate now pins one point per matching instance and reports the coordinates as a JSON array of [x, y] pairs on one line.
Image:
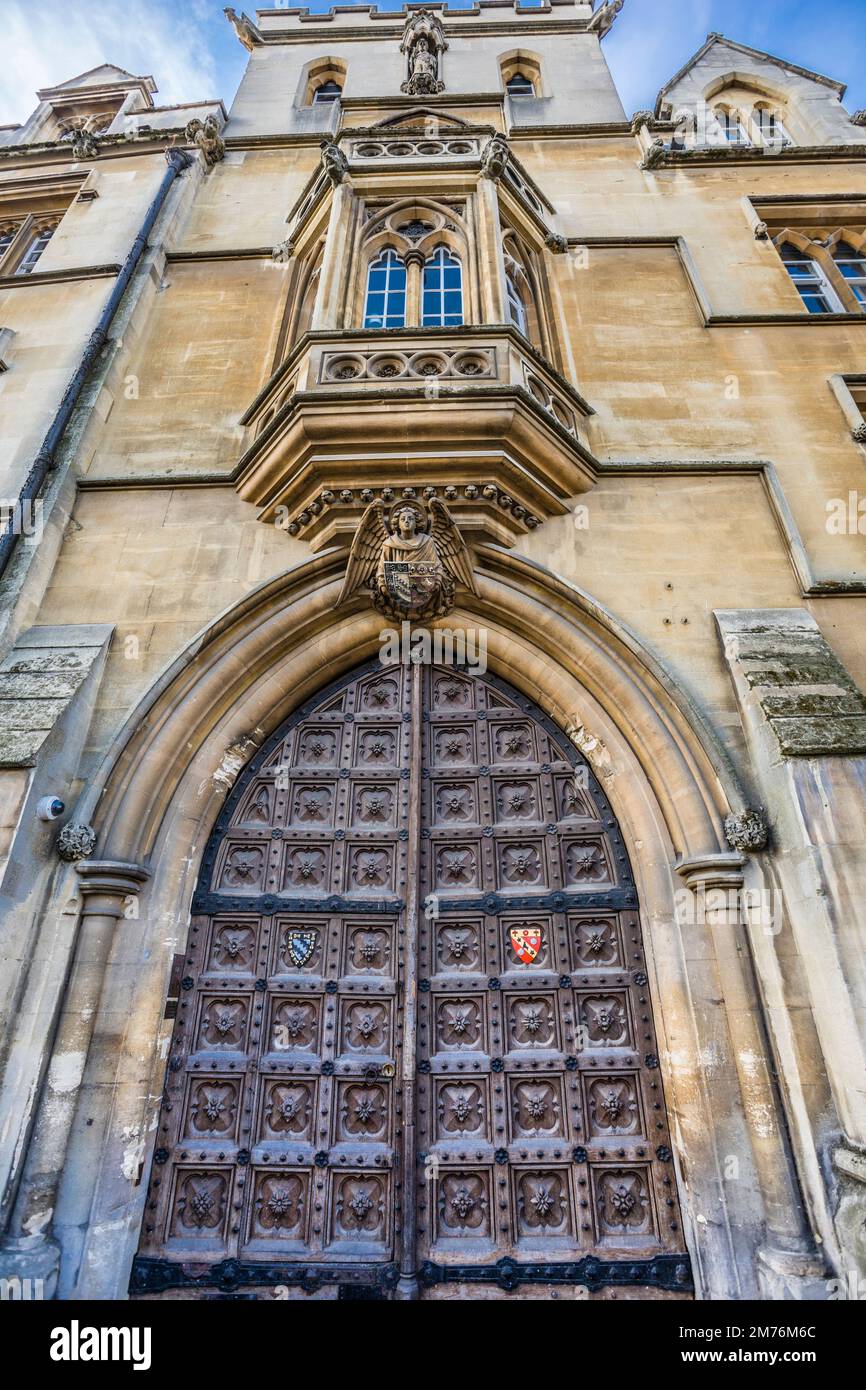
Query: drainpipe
[[178, 160]]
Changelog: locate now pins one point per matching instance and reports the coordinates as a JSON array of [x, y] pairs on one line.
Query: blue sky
[[191, 50]]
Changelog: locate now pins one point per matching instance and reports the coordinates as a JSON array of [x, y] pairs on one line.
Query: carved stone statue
[[412, 560], [655, 155], [640, 119], [334, 162], [84, 145], [494, 157], [243, 26], [206, 135], [424, 41], [557, 243], [423, 79], [602, 21]]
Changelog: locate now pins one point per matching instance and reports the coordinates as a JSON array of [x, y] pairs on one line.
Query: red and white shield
[[526, 943]]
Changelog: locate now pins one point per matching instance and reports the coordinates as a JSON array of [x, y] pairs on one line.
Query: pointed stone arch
[[160, 788]]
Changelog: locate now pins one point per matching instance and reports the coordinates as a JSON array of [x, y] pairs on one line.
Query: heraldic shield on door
[[414, 1043]]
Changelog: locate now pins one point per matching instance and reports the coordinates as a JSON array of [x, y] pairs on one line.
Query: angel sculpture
[[412, 560]]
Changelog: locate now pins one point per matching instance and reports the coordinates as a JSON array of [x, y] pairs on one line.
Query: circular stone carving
[[76, 842], [747, 830], [428, 363], [387, 365], [345, 368], [472, 364]]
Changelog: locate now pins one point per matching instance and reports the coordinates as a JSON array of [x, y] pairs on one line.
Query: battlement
[[273, 23]]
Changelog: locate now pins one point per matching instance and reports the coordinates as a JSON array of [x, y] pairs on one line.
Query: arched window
[[812, 284], [770, 126], [520, 85], [41, 238], [852, 265], [730, 125], [385, 303], [326, 92], [515, 305], [442, 291]]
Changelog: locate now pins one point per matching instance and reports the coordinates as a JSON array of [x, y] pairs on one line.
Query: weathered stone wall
[[718, 445]]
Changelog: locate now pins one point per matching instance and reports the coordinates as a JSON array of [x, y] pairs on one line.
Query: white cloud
[[47, 44]]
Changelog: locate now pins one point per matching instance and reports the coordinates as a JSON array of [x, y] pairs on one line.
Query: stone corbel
[[557, 243], [247, 32], [205, 135], [655, 156], [494, 158], [747, 831], [641, 119], [334, 162]]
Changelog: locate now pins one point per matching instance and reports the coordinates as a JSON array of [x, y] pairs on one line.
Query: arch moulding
[[158, 792]]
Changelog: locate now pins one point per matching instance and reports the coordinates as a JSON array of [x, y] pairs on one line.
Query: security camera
[[50, 807]]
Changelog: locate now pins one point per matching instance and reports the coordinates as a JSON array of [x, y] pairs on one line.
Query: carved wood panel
[[287, 1136], [282, 1101], [542, 1124]]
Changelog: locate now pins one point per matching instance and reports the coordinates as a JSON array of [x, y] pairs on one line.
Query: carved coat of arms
[[412, 560]]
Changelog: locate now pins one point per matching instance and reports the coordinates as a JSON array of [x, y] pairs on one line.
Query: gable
[[719, 56]]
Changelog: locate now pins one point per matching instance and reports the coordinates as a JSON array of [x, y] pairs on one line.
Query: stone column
[[29, 1250], [414, 262], [329, 308], [490, 254], [788, 1264]]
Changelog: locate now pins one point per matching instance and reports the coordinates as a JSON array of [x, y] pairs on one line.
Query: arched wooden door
[[414, 1042]]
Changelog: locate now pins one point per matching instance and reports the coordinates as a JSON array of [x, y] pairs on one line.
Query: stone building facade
[[544, 969]]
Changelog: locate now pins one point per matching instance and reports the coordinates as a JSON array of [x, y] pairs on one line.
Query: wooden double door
[[414, 1042]]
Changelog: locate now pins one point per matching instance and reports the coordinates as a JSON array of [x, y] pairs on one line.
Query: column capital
[[110, 877], [707, 871]]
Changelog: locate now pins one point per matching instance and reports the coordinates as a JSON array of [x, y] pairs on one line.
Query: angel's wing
[[450, 545], [366, 549]]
